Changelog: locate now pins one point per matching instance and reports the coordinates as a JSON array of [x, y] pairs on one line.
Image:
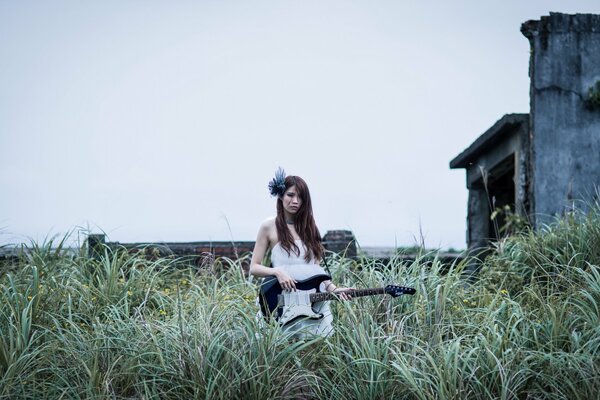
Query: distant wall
[[339, 241], [564, 134]]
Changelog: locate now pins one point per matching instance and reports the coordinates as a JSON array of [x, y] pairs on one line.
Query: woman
[[296, 249]]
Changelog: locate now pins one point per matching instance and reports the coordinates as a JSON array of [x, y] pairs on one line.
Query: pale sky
[[165, 120]]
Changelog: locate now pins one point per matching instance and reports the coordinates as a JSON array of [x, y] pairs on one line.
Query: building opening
[[501, 196]]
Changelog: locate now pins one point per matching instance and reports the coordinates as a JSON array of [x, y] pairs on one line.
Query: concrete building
[[548, 161]]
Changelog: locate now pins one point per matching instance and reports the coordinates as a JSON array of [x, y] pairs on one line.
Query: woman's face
[[291, 200]]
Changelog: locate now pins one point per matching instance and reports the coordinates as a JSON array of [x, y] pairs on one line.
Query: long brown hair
[[304, 222]]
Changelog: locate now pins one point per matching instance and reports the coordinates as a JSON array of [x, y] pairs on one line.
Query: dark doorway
[[501, 193]]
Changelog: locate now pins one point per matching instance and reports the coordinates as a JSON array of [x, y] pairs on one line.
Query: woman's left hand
[[343, 293]]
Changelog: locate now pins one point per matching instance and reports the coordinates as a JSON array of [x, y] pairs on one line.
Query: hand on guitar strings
[[342, 293], [285, 281]]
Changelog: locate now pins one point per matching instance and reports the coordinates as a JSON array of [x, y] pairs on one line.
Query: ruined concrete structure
[[496, 165], [542, 163], [341, 242]]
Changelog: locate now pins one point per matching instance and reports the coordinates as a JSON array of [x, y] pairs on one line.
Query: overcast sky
[[165, 120]]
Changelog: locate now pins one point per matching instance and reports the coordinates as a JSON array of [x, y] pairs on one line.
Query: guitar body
[[288, 306]]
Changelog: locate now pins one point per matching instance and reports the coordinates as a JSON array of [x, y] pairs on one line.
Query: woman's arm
[[258, 255]]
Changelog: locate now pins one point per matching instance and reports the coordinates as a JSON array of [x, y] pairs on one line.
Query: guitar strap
[[326, 265]]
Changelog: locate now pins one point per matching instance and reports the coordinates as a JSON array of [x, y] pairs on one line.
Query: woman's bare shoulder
[[269, 229], [268, 223]]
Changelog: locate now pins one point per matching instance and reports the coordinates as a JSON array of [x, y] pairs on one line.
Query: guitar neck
[[354, 293]]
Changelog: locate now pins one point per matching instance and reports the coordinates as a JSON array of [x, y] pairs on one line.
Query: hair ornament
[[277, 184]]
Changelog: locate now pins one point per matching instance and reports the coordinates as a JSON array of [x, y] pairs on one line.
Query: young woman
[[296, 249]]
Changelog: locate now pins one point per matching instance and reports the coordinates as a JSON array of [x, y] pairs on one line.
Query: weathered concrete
[[341, 242], [565, 135], [478, 218], [500, 151], [552, 153], [337, 241]]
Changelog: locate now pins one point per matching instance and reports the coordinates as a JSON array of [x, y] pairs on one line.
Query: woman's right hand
[[285, 280]]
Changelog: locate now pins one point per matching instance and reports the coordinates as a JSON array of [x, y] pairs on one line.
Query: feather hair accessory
[[277, 184]]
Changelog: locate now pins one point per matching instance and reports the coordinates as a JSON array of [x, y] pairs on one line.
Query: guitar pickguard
[[296, 304]]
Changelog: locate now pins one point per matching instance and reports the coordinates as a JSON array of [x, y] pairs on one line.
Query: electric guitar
[[286, 306]]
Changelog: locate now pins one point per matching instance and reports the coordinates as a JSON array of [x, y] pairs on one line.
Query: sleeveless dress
[[297, 267]]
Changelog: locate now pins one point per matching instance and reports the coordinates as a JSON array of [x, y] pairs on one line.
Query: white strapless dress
[[297, 267]]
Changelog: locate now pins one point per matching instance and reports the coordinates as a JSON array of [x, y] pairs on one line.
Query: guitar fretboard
[[354, 293]]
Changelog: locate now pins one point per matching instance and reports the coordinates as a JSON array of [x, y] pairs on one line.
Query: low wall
[[338, 241]]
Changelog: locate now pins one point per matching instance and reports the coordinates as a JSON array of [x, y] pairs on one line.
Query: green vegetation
[[592, 101], [123, 326]]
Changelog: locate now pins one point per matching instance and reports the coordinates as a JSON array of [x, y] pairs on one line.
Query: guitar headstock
[[395, 291]]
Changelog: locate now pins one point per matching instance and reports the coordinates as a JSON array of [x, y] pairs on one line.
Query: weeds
[[123, 326]]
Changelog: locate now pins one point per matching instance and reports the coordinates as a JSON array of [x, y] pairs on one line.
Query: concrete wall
[[564, 134], [478, 218], [515, 143], [338, 241]]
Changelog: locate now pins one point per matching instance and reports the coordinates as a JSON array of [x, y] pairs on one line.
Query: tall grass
[[125, 327]]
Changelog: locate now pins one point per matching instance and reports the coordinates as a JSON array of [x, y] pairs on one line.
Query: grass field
[[125, 327]]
